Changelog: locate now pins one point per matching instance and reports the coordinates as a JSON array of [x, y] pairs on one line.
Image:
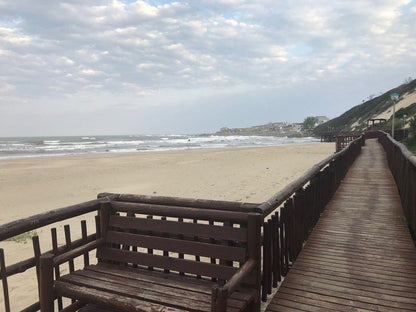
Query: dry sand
[[31, 186]]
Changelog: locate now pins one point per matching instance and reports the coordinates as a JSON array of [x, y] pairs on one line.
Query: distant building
[[321, 120]]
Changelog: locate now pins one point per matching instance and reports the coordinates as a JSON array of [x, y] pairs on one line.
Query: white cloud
[[143, 48], [66, 60], [13, 36], [145, 9], [91, 72]]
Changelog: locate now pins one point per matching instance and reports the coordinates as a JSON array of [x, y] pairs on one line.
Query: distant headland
[[283, 129]]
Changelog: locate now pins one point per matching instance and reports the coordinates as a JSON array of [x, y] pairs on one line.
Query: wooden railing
[[154, 203], [291, 214], [289, 217], [402, 164], [343, 139], [35, 222]]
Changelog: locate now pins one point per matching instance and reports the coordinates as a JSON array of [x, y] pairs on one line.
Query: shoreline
[[45, 183], [139, 152], [49, 147]]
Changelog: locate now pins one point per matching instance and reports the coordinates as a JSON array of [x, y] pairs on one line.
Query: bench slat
[[180, 265], [177, 211], [99, 297], [172, 280], [187, 300], [180, 246], [143, 293], [180, 228], [178, 296], [176, 281]]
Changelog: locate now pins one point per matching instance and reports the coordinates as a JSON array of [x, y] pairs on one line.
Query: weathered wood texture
[[303, 201], [342, 140], [403, 166], [360, 255], [164, 258]]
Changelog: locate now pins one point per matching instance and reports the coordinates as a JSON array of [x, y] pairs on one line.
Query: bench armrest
[[71, 254], [239, 276], [221, 294]]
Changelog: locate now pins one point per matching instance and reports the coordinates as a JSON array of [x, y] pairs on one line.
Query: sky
[[148, 67]]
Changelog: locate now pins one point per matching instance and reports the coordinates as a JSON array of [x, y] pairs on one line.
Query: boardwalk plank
[[360, 256]]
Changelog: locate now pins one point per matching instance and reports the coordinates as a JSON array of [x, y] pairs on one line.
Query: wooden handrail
[[183, 202], [76, 252], [17, 227], [402, 164], [243, 272], [406, 153], [280, 197]]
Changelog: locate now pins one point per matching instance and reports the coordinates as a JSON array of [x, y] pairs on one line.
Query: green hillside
[[359, 114]]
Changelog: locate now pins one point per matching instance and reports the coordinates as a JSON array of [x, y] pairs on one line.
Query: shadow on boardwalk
[[360, 254]]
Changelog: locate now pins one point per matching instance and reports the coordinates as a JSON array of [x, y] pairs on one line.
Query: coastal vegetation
[[271, 129], [355, 119], [309, 123], [411, 140], [411, 144], [23, 238]]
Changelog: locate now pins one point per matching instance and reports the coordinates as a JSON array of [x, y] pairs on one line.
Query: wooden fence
[[343, 139], [291, 214], [402, 164], [289, 217], [35, 222], [12, 229]]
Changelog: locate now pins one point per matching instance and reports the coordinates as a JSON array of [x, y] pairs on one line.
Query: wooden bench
[[163, 258]]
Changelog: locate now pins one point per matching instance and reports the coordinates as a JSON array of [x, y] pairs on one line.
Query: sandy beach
[[31, 186]]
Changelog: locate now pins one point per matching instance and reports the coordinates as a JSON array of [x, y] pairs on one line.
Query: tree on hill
[[309, 123], [413, 126]]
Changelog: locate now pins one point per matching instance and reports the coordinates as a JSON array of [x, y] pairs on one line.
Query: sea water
[[82, 145]]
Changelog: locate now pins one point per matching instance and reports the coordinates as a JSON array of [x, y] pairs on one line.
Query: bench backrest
[[184, 240]]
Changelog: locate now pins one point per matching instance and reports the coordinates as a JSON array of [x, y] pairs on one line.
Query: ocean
[[26, 147]]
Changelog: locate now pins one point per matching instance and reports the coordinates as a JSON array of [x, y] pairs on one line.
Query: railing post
[[267, 268], [46, 283], [275, 249], [3, 275]]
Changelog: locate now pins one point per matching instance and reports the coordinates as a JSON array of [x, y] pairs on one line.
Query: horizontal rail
[[408, 155], [78, 251], [24, 265], [402, 164], [181, 212], [18, 227], [183, 202], [280, 197]]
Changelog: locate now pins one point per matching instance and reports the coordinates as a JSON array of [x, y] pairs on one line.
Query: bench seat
[[103, 284]]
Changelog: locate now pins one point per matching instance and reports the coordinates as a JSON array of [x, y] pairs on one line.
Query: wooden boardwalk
[[360, 255]]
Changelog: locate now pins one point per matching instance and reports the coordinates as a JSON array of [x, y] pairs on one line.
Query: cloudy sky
[[131, 67]]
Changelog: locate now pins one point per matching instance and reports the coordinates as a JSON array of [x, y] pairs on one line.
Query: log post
[[84, 238], [275, 248], [255, 221], [37, 253], [219, 299], [57, 270], [46, 283], [3, 276], [68, 243], [266, 261]]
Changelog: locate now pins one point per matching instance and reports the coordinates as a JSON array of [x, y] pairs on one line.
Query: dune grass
[[23, 238]]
